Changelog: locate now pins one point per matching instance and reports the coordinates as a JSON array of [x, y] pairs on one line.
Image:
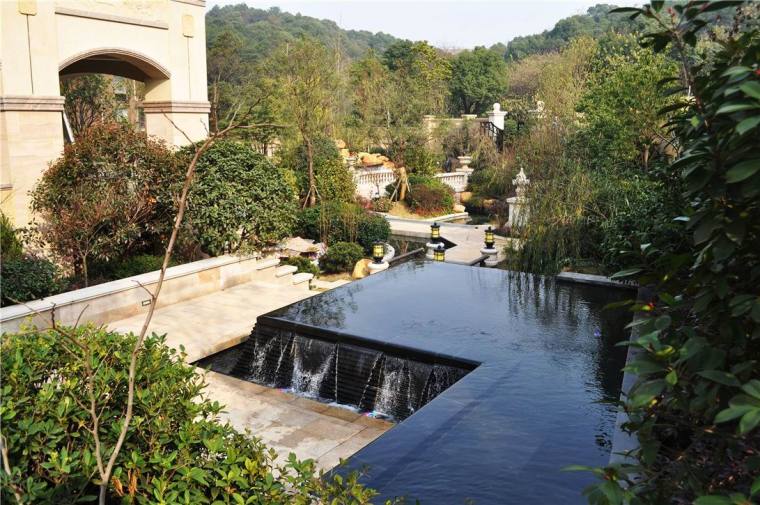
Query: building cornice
[[112, 18], [197, 3], [176, 106], [31, 103]]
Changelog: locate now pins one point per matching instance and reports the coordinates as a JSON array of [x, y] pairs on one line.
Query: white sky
[[443, 23]]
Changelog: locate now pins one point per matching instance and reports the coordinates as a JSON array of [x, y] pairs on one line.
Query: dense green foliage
[[334, 181], [176, 451], [303, 264], [11, 247], [127, 267], [695, 405], [341, 257], [478, 79], [239, 199], [263, 31], [29, 278], [595, 23], [343, 222], [111, 193], [429, 197], [382, 204]]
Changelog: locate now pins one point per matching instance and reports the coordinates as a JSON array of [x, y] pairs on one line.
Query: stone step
[[285, 270], [265, 269], [302, 277]]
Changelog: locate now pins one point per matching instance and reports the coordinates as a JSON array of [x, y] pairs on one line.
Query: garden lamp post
[[377, 264], [440, 253], [435, 240], [490, 251], [435, 233], [489, 238], [378, 251]]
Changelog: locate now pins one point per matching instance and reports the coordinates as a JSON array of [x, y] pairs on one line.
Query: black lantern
[[378, 251], [435, 233], [489, 238], [440, 253]]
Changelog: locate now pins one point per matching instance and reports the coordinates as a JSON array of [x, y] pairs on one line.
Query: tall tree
[[478, 78], [89, 99], [306, 79]]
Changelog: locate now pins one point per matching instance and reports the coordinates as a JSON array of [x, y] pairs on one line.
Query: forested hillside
[[594, 23], [262, 31]]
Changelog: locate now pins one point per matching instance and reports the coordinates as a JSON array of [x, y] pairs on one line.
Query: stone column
[[496, 115], [31, 119], [518, 210]]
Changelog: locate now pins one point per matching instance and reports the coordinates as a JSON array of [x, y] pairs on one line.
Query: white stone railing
[[456, 180], [371, 182]]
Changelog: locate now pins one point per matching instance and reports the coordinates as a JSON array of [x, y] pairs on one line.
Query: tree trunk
[[84, 271], [312, 194]]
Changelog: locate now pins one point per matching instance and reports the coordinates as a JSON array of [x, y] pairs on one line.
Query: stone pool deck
[[469, 239], [289, 423], [285, 422], [215, 322]]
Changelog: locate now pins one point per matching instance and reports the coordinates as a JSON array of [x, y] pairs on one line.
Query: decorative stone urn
[[518, 210], [464, 162]]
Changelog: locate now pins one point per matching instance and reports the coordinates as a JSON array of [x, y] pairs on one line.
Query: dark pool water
[[543, 361]]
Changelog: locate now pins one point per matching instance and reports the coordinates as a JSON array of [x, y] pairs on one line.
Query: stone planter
[[464, 162]]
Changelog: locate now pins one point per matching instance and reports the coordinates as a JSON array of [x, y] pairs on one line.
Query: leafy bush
[[343, 222], [127, 267], [30, 278], [10, 244], [335, 183], [694, 407], [430, 198], [382, 204], [372, 228], [112, 192], [418, 159], [176, 451], [341, 257], [303, 264], [239, 199]]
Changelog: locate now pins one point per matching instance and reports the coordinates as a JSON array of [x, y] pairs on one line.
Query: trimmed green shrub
[[302, 263], [420, 160], [372, 228], [334, 180], [239, 199], [177, 449], [343, 222], [10, 245], [382, 204], [341, 257], [127, 267], [110, 193], [30, 278], [430, 198]]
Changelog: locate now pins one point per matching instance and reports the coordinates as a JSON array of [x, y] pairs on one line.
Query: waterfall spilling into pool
[[384, 382]]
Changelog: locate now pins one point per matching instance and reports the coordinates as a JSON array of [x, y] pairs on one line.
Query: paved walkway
[[212, 323], [289, 423], [469, 239], [283, 421]]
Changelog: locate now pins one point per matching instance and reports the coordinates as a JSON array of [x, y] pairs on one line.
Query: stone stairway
[[211, 323]]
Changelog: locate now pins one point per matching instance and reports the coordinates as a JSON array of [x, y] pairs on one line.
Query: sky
[[443, 23]]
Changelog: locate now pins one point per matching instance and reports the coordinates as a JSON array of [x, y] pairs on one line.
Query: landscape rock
[[458, 208], [361, 269]]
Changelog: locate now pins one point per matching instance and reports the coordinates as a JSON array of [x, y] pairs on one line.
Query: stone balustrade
[[371, 182], [456, 180]]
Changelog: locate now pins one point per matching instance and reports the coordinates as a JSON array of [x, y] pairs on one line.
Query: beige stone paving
[[469, 239], [212, 323], [288, 423]]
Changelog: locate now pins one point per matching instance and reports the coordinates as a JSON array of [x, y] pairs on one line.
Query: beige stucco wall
[[40, 37]]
